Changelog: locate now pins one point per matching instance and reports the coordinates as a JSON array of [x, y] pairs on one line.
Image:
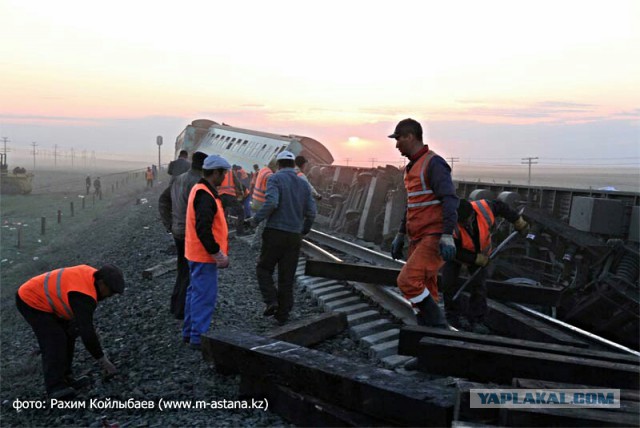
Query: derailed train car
[[247, 147]]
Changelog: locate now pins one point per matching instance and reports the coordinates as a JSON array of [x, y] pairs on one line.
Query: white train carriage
[[247, 147]]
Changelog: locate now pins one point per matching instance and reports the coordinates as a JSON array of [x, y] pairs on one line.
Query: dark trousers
[[57, 344], [282, 249], [179, 294], [233, 207], [477, 308]]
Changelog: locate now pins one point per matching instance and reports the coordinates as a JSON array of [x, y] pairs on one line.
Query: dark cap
[[300, 160], [112, 277], [406, 127], [197, 160]]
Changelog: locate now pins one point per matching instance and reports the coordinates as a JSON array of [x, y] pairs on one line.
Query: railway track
[[375, 313]]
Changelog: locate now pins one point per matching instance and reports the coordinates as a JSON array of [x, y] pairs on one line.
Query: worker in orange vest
[[206, 248], [472, 236], [149, 176], [258, 198], [232, 192], [59, 305], [429, 220]]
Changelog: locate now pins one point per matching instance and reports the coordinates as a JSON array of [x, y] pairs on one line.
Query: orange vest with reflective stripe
[[424, 211], [193, 248], [260, 189], [49, 292], [228, 186], [486, 220]]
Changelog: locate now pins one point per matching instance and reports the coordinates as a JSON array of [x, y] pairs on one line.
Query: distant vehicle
[[246, 147], [16, 182]]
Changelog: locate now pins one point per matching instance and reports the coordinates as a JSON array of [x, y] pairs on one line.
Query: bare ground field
[[622, 179]]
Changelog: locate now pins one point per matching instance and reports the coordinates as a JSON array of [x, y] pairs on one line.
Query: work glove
[[481, 260], [397, 246], [521, 226], [317, 197], [447, 247], [221, 259], [107, 366]]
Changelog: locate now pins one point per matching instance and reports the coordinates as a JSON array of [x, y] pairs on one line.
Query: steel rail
[[354, 249], [385, 297], [578, 331], [377, 258]]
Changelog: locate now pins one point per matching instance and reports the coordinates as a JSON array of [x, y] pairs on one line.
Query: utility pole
[[55, 155], [34, 145], [347, 160], [452, 161], [159, 143], [73, 155], [529, 161], [5, 140], [84, 158], [372, 161]]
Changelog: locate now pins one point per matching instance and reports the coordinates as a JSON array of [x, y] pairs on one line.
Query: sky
[[491, 81]]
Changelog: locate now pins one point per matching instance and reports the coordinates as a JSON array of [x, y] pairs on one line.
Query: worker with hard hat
[[289, 211], [59, 306], [206, 248]]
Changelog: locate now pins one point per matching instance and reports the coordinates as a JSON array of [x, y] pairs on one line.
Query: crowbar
[[491, 257]]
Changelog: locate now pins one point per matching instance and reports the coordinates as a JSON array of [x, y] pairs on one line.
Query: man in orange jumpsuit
[[429, 221]]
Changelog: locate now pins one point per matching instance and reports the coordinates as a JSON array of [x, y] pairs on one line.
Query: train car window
[[281, 149], [264, 147], [233, 140], [230, 144]]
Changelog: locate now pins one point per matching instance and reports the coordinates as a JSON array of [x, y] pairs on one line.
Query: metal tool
[[491, 257]]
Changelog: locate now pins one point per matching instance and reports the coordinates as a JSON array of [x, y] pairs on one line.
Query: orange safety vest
[[260, 189], [228, 186], [193, 248], [424, 211], [242, 174], [149, 174], [49, 292], [486, 220]]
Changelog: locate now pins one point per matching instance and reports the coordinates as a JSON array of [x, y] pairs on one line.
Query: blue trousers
[[247, 207], [201, 300]]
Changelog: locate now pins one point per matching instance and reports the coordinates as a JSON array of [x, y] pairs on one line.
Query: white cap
[[285, 155], [215, 162]]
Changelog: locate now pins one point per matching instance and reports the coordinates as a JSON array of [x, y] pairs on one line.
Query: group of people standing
[[194, 209]]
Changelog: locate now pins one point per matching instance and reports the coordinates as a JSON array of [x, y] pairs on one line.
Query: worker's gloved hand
[[107, 366], [397, 246], [447, 247], [521, 226], [481, 260], [221, 259], [317, 197]]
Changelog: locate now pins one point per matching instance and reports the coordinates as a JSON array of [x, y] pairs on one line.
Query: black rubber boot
[[430, 315]]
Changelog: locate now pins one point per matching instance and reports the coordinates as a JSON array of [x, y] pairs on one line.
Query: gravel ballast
[[137, 331]]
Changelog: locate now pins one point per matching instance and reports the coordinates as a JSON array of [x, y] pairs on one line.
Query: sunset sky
[[491, 80]]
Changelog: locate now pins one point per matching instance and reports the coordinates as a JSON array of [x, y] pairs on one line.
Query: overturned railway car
[[247, 147]]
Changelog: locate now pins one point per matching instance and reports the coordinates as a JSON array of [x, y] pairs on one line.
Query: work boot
[[479, 328], [79, 382], [458, 322], [429, 314], [282, 318], [271, 310], [63, 393]]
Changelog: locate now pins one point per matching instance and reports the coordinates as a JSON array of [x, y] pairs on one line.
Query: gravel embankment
[[137, 331]]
